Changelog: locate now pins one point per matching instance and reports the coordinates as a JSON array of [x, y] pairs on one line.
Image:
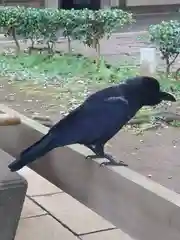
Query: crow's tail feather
[[38, 149]]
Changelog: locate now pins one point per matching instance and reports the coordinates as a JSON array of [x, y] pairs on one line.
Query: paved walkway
[[124, 46], [50, 213], [143, 21], [121, 49]]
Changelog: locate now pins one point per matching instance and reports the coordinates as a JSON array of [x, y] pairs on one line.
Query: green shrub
[[11, 19], [99, 24], [70, 21], [166, 36], [85, 25], [40, 24]]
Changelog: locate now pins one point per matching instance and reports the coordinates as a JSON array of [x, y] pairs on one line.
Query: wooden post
[[148, 61]]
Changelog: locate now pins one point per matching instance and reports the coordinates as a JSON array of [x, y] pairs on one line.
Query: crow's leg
[[99, 153], [112, 161]]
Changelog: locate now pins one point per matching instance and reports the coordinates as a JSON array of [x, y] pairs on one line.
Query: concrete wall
[[114, 3], [150, 2], [27, 3], [134, 3]]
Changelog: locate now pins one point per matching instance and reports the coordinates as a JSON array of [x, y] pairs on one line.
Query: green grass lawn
[[66, 68], [73, 77], [59, 68]]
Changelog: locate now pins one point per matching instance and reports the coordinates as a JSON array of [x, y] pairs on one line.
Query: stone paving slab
[[115, 234], [30, 209], [42, 228], [38, 185], [73, 214], [32, 227], [42, 221], [63, 207]]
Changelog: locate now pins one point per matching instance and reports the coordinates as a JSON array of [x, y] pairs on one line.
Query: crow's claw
[[91, 157], [111, 161], [121, 163]]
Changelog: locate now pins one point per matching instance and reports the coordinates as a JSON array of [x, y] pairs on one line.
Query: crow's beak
[[167, 97]]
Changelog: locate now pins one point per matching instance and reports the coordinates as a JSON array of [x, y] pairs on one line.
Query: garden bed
[[72, 78]]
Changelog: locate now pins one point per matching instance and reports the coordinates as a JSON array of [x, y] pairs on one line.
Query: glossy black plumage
[[97, 120]]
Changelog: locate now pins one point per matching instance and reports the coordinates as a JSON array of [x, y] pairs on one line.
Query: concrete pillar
[[51, 3], [114, 3], [148, 62], [12, 194], [105, 3]]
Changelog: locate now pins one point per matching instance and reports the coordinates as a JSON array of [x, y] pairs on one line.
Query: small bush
[[11, 18], [70, 21], [99, 24], [85, 25], [166, 36]]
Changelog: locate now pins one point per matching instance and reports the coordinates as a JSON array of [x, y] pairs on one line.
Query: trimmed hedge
[[45, 24]]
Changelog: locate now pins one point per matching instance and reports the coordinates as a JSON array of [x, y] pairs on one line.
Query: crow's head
[[148, 90]]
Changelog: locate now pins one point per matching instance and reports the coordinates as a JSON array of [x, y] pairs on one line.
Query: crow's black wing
[[86, 124], [91, 121], [98, 119]]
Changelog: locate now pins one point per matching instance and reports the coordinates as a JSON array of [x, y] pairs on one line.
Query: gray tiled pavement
[[49, 213]]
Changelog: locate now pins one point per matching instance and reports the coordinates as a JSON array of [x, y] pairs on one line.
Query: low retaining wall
[[140, 207]]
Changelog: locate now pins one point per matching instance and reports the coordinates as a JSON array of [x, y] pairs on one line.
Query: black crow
[[97, 120]]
